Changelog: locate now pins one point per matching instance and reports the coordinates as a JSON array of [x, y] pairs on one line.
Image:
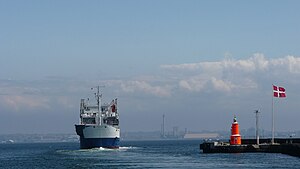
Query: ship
[[99, 124]]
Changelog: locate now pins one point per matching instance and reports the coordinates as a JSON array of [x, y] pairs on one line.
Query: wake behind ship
[[99, 124]]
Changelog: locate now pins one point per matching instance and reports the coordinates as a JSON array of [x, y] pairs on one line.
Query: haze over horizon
[[198, 62]]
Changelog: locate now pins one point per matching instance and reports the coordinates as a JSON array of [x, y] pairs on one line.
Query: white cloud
[[142, 86], [257, 62], [194, 83], [221, 85], [288, 63], [229, 74], [22, 103]]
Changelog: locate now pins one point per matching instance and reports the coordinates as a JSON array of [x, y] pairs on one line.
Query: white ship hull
[[92, 136]]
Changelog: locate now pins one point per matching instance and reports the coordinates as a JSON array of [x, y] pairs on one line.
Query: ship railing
[[88, 115]]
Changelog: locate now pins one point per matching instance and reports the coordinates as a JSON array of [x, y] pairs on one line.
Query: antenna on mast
[[98, 96]]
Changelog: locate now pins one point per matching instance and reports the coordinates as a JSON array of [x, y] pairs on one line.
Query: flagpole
[[273, 117], [280, 93]]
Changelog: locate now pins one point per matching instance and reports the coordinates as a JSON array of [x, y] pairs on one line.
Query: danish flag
[[278, 91]]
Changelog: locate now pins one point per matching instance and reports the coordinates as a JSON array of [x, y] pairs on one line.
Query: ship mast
[[98, 97]]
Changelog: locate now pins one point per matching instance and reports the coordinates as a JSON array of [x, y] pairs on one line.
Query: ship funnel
[[235, 138]]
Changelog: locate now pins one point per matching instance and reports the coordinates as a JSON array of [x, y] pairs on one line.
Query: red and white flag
[[278, 91]]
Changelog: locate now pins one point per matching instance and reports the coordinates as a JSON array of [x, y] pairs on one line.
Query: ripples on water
[[135, 154]]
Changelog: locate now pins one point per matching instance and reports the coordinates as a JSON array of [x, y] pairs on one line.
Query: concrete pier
[[285, 146]]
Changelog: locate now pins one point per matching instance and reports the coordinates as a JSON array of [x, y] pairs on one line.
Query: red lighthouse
[[235, 138]]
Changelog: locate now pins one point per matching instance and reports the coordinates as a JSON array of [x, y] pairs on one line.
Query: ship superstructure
[[99, 124]]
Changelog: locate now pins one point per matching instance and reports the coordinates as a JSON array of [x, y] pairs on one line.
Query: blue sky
[[157, 57]]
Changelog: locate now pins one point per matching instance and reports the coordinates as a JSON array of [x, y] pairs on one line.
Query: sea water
[[170, 154]]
